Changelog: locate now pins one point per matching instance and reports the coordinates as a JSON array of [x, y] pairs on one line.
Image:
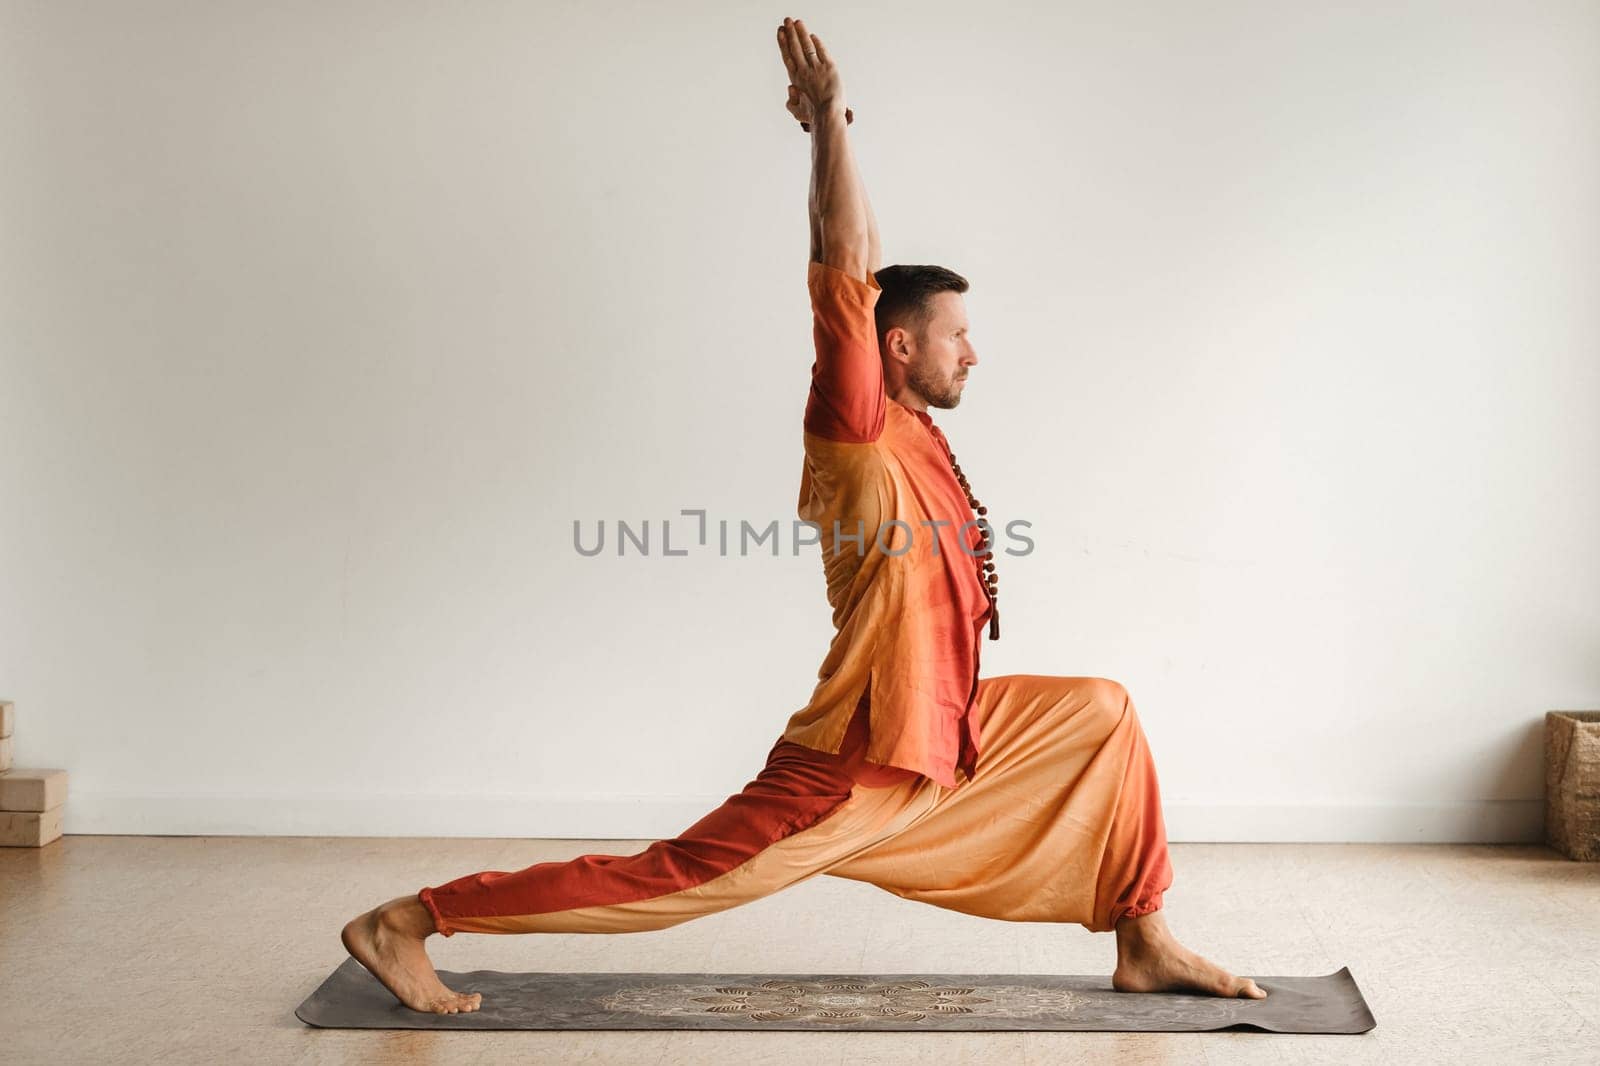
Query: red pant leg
[[796, 790]]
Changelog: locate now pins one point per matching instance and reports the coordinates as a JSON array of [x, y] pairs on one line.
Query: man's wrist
[[848, 115]]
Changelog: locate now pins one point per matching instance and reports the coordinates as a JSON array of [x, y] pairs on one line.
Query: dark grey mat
[[351, 998]]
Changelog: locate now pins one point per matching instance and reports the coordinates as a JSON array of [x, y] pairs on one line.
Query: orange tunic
[[908, 603]]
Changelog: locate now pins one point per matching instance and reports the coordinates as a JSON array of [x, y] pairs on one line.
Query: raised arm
[[800, 108], [844, 231], [847, 400]]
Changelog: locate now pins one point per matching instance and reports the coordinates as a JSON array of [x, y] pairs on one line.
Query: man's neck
[[906, 396]]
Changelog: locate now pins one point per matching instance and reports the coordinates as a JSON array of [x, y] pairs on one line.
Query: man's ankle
[[409, 917], [1143, 931]]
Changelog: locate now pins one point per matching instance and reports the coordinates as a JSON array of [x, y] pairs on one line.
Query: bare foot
[[1150, 959], [387, 940]]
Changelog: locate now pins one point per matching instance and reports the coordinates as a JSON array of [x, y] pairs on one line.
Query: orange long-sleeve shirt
[[908, 603]]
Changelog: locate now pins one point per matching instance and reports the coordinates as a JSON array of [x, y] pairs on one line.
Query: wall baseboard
[[612, 817]]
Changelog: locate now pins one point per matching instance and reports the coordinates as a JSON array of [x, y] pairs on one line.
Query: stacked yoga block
[[31, 801]]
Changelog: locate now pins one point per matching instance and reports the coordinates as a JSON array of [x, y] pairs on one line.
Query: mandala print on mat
[[823, 1001], [839, 1000]]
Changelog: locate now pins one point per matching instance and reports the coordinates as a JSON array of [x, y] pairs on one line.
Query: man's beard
[[934, 390]]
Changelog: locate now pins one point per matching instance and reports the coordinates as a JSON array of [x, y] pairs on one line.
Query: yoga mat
[[351, 998]]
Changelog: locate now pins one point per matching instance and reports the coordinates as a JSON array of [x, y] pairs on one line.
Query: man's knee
[[1106, 703], [1110, 692]]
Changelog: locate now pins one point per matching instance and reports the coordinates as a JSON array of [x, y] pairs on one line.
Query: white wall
[[321, 324]]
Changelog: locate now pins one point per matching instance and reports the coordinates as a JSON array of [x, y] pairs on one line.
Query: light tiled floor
[[198, 949]]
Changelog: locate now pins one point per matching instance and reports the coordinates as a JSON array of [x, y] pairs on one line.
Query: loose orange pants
[[1060, 822]]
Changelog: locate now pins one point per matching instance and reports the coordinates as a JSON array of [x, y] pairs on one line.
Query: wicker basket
[[1572, 783]]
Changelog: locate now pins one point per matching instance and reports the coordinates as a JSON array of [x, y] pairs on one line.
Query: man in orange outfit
[[1024, 797]]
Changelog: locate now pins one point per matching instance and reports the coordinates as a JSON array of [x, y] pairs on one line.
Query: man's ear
[[893, 345]]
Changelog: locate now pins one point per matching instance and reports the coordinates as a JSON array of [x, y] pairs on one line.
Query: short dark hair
[[906, 291]]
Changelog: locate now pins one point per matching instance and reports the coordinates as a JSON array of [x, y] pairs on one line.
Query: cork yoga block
[[32, 790], [29, 829], [8, 718], [5, 754], [1572, 783]]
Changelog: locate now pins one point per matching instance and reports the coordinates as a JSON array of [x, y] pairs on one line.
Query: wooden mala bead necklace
[[986, 571]]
